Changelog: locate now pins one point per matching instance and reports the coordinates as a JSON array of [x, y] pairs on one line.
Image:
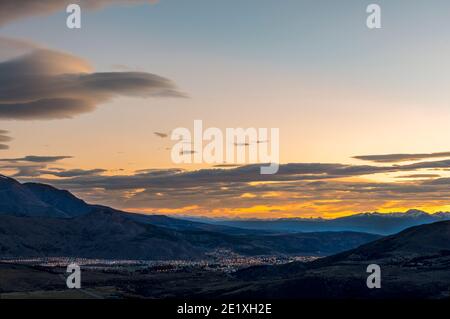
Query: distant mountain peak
[[369, 222], [408, 213], [442, 215], [416, 213]]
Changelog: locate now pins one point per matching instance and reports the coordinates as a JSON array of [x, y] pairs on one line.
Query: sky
[[363, 114]]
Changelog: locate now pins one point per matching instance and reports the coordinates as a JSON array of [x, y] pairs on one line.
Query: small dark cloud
[[187, 152], [241, 144], [395, 158], [226, 165], [158, 172], [248, 144], [161, 135]]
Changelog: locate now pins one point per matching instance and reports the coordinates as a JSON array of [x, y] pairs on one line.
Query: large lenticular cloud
[[45, 84], [11, 10]]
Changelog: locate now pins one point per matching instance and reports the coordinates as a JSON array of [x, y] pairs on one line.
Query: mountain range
[[40, 220], [40, 200], [376, 223]]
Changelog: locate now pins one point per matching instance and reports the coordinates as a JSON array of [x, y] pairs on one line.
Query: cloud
[[45, 84], [187, 152], [32, 166], [36, 159], [11, 10], [395, 158], [298, 189], [288, 173], [25, 170], [4, 138], [294, 184], [73, 172], [227, 165], [419, 176], [440, 181], [161, 135]]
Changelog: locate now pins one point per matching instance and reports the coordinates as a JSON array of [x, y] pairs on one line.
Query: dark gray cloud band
[[220, 187], [295, 172]]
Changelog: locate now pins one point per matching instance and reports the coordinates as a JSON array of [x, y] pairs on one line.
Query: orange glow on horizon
[[317, 209]]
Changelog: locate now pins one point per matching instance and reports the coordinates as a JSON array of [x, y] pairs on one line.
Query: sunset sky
[[363, 114]]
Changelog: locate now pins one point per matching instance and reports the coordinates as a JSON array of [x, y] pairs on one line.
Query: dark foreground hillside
[[415, 264]]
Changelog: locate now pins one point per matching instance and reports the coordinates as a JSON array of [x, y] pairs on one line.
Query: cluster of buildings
[[220, 260]]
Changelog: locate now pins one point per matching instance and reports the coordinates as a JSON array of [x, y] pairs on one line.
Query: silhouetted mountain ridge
[[18, 200], [60, 199], [414, 264], [418, 241]]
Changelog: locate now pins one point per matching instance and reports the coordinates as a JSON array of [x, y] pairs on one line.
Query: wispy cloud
[[12, 10], [12, 47], [419, 176], [30, 165], [73, 172], [36, 159], [33, 166], [4, 137], [395, 158]]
